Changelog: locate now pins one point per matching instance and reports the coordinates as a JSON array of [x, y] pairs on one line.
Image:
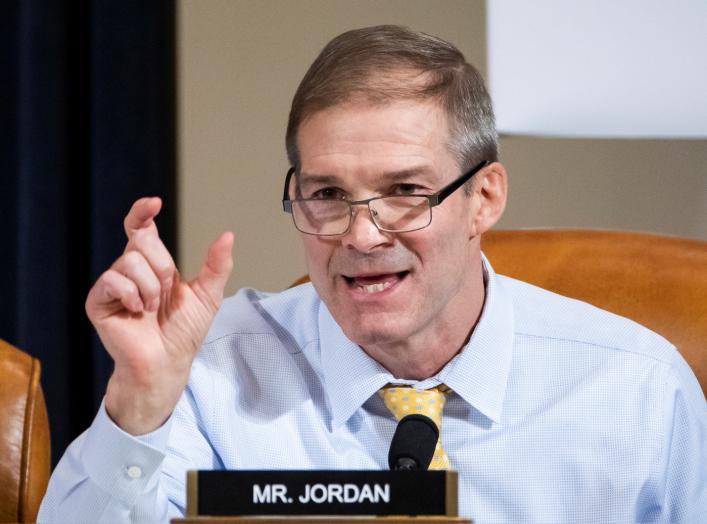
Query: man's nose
[[364, 235]]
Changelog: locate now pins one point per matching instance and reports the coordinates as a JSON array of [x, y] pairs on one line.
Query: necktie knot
[[405, 400]]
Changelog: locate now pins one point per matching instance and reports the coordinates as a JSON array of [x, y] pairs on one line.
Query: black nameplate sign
[[236, 493]]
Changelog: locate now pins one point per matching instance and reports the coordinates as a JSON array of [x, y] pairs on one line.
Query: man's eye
[[406, 189], [328, 193]]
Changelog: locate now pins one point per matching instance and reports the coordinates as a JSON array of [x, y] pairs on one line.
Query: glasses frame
[[434, 199]]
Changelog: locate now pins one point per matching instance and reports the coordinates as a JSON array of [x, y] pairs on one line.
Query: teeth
[[375, 288]]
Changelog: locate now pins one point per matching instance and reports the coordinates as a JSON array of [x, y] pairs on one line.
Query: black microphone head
[[413, 443]]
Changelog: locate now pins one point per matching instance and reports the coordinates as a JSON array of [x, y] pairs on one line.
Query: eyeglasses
[[392, 214]]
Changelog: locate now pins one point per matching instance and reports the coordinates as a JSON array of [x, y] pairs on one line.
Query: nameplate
[[240, 493]]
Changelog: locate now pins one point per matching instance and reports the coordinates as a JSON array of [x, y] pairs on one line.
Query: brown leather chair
[[658, 281], [25, 453]]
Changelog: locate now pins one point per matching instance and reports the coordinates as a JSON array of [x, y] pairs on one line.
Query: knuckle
[[131, 289], [88, 305], [136, 242], [127, 220], [155, 252], [151, 290], [114, 282], [127, 290], [104, 281], [141, 237], [132, 258], [165, 269]]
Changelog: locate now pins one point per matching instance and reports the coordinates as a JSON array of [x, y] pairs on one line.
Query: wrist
[[138, 409]]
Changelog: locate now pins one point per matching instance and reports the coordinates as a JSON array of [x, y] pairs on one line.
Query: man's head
[[385, 63], [371, 120]]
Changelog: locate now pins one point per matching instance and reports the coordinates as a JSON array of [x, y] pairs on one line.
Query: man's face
[[388, 288]]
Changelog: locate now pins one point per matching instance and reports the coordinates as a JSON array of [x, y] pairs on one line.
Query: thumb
[[217, 267]]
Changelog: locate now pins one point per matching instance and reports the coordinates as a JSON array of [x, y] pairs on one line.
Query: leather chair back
[[25, 453], [657, 281]]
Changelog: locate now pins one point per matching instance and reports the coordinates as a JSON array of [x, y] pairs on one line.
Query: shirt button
[[134, 472]]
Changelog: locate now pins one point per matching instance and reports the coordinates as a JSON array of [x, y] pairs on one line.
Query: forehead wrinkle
[[393, 176], [403, 175], [357, 147], [345, 138], [308, 179]]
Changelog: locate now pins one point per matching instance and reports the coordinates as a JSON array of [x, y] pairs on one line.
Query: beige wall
[[239, 64]]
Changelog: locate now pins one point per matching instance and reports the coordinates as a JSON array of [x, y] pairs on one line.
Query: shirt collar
[[350, 375], [478, 374]]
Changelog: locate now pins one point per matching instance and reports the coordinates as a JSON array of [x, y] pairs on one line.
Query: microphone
[[413, 443]]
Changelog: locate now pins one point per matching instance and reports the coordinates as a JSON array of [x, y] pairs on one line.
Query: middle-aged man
[[555, 411]]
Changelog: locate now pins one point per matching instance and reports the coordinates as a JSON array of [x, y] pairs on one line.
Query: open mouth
[[371, 284]]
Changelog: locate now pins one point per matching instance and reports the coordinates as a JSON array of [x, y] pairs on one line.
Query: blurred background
[[104, 102]]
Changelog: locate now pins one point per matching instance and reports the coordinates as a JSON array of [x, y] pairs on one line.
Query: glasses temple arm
[[443, 193]]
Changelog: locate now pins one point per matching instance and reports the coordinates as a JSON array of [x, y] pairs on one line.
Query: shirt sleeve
[[108, 475], [685, 443]]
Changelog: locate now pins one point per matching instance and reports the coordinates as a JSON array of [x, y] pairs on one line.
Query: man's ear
[[491, 192]]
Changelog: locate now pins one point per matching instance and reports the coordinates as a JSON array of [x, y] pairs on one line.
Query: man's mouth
[[374, 283]]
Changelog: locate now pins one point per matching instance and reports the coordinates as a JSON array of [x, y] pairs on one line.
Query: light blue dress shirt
[[560, 413]]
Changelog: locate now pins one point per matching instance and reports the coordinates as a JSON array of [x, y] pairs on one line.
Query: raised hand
[[151, 322]]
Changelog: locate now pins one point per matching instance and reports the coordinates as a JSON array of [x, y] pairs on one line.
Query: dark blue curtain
[[87, 102]]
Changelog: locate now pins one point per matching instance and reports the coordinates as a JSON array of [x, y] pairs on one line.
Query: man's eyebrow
[[407, 174], [307, 179], [387, 177]]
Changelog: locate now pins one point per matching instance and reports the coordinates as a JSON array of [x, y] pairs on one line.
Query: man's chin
[[377, 319], [374, 329]]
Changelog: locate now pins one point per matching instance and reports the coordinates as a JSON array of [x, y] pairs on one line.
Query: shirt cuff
[[119, 463]]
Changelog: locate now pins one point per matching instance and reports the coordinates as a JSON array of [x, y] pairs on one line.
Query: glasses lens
[[321, 217], [403, 213]]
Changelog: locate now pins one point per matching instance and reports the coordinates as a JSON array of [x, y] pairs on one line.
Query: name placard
[[236, 493]]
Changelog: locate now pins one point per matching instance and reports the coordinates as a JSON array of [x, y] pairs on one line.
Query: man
[[555, 411]]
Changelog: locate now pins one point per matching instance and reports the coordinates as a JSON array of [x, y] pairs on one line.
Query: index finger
[[142, 214]]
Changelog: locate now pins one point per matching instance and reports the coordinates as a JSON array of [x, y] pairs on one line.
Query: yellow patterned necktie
[[405, 400]]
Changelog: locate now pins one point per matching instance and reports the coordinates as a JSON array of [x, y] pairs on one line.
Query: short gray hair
[[388, 62]]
